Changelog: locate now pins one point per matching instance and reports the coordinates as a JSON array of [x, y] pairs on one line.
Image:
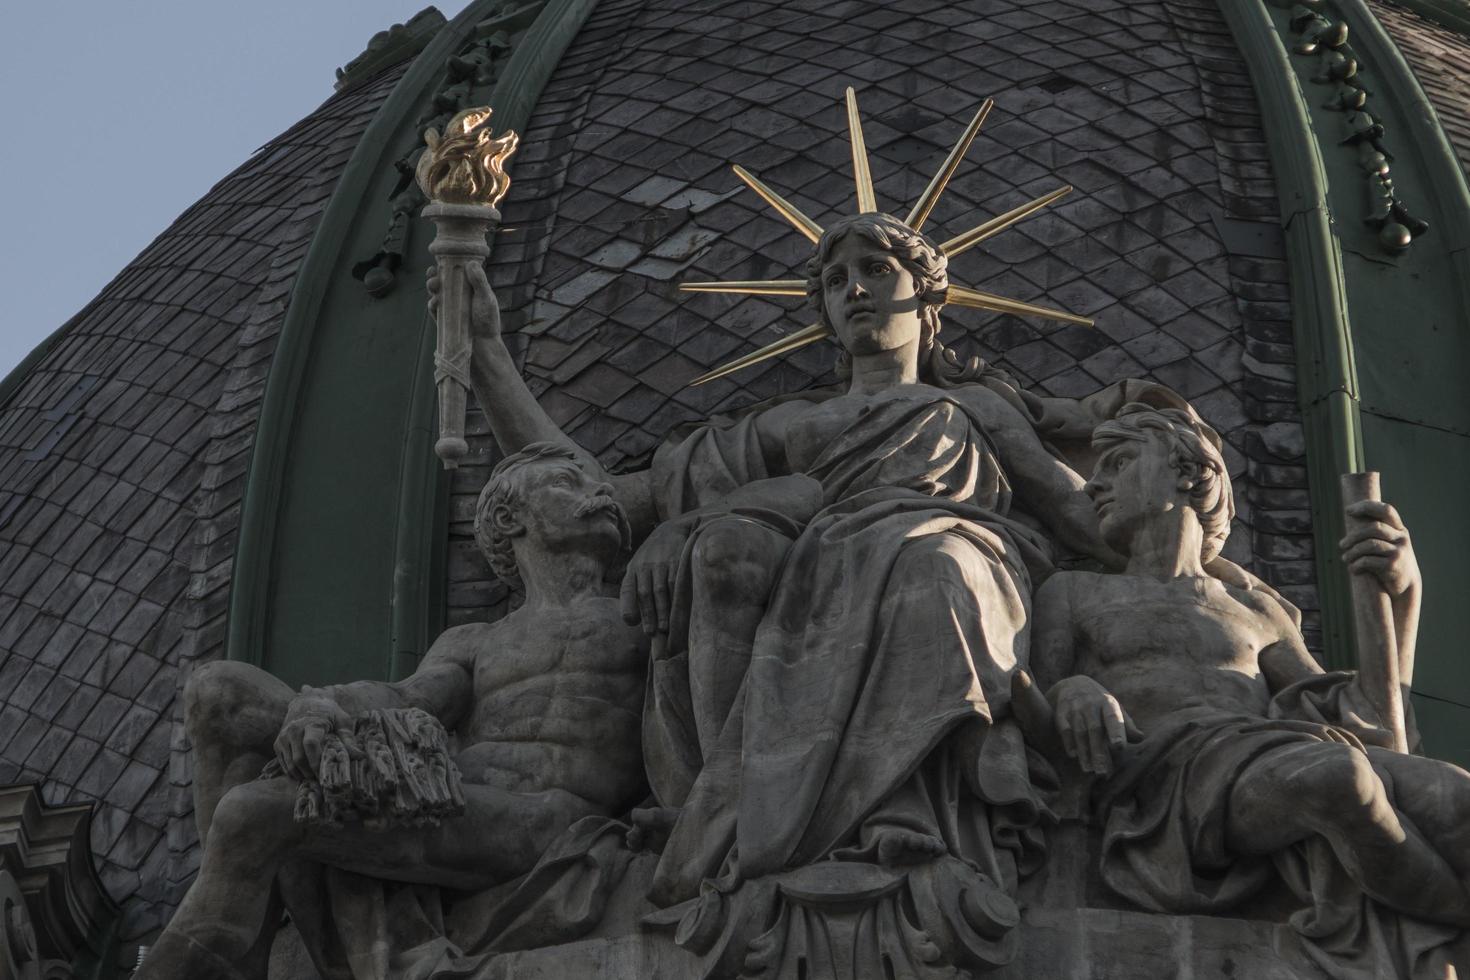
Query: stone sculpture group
[[814, 686]]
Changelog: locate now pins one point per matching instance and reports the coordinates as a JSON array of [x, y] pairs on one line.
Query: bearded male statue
[[545, 706]]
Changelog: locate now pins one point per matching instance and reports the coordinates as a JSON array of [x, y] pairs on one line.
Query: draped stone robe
[[1164, 816], [895, 623]]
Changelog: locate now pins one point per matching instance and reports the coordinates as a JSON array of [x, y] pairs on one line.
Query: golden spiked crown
[[868, 204]]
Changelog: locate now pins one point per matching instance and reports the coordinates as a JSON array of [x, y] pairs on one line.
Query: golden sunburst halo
[[867, 203]]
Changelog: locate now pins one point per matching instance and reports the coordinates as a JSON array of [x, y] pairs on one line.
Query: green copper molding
[[1328, 44], [422, 513], [312, 371], [1327, 380], [1416, 411], [1453, 15], [392, 46], [17, 376], [535, 58], [1449, 191], [1431, 145], [261, 504], [1380, 339], [260, 508], [423, 503]]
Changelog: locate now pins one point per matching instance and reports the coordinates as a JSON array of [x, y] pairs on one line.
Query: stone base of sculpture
[[1060, 944], [1069, 929]]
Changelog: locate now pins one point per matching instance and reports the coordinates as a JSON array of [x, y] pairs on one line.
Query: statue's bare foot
[[651, 827], [898, 847]]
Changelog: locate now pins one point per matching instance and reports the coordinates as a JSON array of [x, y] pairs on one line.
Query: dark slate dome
[[125, 442], [226, 453]]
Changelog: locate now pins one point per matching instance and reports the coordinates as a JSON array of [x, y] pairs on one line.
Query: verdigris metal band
[[281, 459], [422, 498], [1345, 293], [1449, 14], [1431, 144], [1327, 380]]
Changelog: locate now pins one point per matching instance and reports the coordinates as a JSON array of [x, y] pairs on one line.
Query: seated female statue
[[839, 594]]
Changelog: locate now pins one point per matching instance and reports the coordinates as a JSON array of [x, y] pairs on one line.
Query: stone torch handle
[[1373, 627], [460, 241], [451, 359]]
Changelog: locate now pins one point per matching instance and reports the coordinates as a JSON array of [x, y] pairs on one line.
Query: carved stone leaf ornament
[[841, 920], [19, 958]]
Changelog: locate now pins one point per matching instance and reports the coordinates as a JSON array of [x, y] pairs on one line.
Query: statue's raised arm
[[516, 419]]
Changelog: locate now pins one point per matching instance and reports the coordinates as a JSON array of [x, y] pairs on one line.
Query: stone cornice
[[47, 852]]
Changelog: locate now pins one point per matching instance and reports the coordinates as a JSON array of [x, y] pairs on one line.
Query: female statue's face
[[871, 300]]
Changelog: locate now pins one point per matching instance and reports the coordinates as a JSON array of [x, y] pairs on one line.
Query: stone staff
[[1373, 626], [463, 175]]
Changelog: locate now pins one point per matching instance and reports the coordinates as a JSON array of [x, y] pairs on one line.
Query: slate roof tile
[[46, 752], [131, 785], [1440, 59], [1188, 377], [135, 337], [130, 730], [104, 770]]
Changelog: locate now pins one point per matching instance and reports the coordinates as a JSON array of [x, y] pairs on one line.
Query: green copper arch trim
[[17, 376], [422, 500], [1446, 183], [1356, 310], [1426, 134], [290, 450], [1418, 433], [1453, 15], [1327, 377]]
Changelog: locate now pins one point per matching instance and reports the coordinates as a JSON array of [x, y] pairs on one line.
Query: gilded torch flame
[[466, 165]]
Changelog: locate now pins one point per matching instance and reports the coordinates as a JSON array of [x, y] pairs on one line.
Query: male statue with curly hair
[[1223, 757], [545, 704]]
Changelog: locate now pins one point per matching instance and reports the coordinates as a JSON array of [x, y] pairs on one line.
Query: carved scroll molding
[[58, 919], [848, 920]]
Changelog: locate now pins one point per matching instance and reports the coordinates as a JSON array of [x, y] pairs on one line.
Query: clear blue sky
[[120, 115]]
